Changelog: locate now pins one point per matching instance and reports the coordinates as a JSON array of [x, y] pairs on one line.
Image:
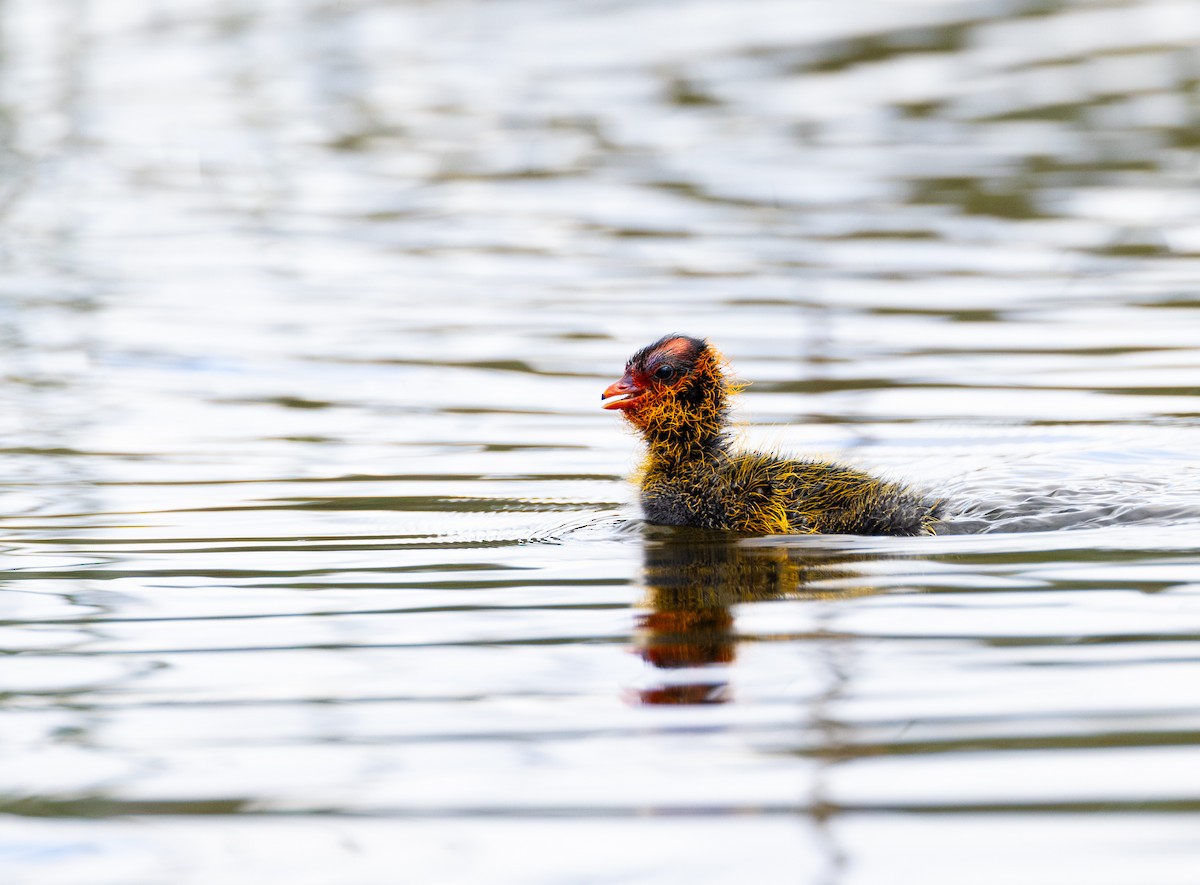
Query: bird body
[[675, 392]]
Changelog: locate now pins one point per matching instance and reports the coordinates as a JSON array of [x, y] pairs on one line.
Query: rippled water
[[321, 562]]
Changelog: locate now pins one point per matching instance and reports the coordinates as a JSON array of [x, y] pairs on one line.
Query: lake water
[[322, 564]]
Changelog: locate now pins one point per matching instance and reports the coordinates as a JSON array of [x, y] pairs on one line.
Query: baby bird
[[676, 392]]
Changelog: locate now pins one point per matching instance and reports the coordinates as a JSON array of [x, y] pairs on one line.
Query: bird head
[[676, 385]]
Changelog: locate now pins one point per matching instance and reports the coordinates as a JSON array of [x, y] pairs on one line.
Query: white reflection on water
[[320, 556]]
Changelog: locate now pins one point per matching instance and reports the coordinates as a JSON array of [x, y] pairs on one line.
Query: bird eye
[[664, 373]]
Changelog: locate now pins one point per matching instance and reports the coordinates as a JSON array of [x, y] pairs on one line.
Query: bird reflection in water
[[694, 578]]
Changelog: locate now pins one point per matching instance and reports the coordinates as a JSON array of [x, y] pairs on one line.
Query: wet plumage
[[676, 393]]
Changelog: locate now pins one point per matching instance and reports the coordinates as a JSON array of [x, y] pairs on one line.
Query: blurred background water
[[321, 562]]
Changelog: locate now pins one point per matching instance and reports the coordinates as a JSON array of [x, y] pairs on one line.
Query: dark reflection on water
[[693, 581]]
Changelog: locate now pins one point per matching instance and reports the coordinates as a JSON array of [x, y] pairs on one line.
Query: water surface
[[322, 563]]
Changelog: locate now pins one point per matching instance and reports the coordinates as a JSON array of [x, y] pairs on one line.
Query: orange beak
[[626, 389]]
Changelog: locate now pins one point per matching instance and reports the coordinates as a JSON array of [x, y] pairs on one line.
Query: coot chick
[[676, 392]]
